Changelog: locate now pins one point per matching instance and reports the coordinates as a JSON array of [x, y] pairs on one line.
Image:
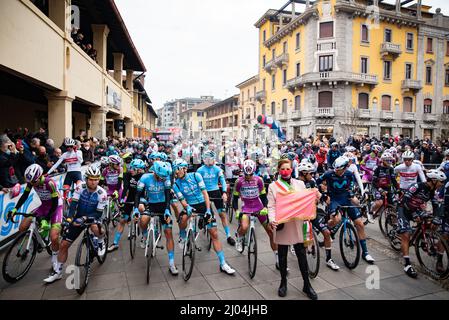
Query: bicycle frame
[[157, 234]]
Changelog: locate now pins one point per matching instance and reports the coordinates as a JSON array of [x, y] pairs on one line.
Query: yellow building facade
[[341, 67]]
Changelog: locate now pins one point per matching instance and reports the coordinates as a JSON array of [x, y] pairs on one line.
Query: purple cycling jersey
[[112, 178], [249, 191]]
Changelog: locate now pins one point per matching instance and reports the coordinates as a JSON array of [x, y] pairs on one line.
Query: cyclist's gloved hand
[[11, 213], [415, 217], [115, 194], [122, 201], [136, 212], [437, 221], [167, 214], [189, 210], [78, 221], [207, 216], [263, 212]]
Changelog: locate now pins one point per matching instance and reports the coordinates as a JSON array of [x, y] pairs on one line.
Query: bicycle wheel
[[82, 263], [252, 253], [149, 253], [313, 257], [349, 245], [102, 259], [208, 238], [133, 238], [433, 254], [188, 256], [382, 217], [230, 212], [390, 227], [18, 260]]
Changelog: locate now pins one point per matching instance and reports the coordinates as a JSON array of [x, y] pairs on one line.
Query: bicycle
[[428, 243], [313, 256], [87, 250], [349, 238], [381, 213], [112, 211], [133, 233], [250, 241], [153, 237], [24, 247], [228, 205]]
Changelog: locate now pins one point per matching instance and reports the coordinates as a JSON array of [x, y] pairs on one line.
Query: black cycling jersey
[[417, 196], [384, 178], [130, 185]]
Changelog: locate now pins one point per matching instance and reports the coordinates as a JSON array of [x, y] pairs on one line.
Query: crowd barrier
[[9, 229]]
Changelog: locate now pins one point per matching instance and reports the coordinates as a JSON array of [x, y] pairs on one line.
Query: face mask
[[87, 148], [285, 173]]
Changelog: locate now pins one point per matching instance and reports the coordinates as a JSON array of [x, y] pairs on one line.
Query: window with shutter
[[363, 101], [297, 102], [429, 75], [284, 106], [408, 104], [386, 103], [325, 99], [446, 106], [428, 106], [327, 29], [365, 35], [273, 108], [408, 71], [429, 45]]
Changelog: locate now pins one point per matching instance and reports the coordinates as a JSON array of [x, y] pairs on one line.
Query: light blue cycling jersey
[[211, 176], [154, 189], [190, 188]]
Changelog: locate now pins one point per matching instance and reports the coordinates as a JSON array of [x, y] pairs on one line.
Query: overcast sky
[[200, 47]]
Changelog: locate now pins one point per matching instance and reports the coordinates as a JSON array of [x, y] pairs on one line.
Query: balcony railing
[[364, 113], [386, 115], [282, 60], [429, 117], [390, 48], [261, 95], [282, 117], [410, 84], [270, 66], [325, 46], [408, 116], [332, 76], [324, 113], [296, 114]]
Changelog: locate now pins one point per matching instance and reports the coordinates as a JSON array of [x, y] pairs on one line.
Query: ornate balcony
[[324, 113], [386, 115], [364, 113], [282, 117], [408, 116], [331, 76], [270, 66], [412, 85], [429, 117], [326, 46], [261, 95], [393, 49], [296, 114], [282, 60]]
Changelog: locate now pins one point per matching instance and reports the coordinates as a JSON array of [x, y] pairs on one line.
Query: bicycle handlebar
[[10, 217]]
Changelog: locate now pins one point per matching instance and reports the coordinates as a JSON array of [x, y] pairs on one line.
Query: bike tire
[[102, 259], [21, 241], [149, 253], [349, 239], [313, 257], [230, 212], [133, 238], [382, 216], [390, 227], [83, 266], [208, 239], [252, 253], [422, 250], [188, 256]]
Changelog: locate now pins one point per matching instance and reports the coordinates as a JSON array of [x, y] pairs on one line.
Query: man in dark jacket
[[88, 153], [43, 160], [8, 158], [27, 156]]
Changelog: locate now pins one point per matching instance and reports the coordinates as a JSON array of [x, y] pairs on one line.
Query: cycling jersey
[[211, 176], [140, 156], [88, 203], [250, 192], [72, 159], [353, 168], [417, 196], [384, 178], [190, 188], [369, 163], [332, 155], [445, 168], [338, 186], [113, 179], [409, 175], [155, 189], [130, 183]]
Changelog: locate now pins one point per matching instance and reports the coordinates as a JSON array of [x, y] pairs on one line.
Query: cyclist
[[139, 154], [384, 182], [127, 158], [111, 151], [409, 171], [157, 186], [112, 177], [104, 163], [412, 206], [340, 183], [89, 200], [73, 159], [212, 176], [333, 154], [321, 157], [251, 190], [192, 194], [306, 171], [130, 181], [370, 162], [445, 164], [50, 208]]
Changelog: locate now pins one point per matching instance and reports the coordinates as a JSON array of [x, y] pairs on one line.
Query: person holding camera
[[8, 159]]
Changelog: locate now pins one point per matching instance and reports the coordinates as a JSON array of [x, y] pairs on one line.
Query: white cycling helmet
[[437, 175], [114, 159], [33, 173], [387, 156], [104, 161], [350, 149], [446, 153], [341, 163], [408, 155], [306, 167], [69, 142], [249, 166], [93, 172], [377, 148]]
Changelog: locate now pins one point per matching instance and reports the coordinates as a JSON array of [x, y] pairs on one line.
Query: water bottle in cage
[[94, 241]]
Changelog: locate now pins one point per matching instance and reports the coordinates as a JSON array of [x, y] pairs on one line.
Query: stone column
[[419, 96], [98, 123], [59, 12], [418, 9], [100, 43], [59, 116], [130, 80], [118, 67], [398, 6]]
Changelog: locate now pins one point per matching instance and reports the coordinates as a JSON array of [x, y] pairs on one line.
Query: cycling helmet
[[307, 145], [163, 156], [312, 158], [446, 153], [114, 159], [408, 155], [334, 144], [104, 161], [209, 155], [126, 156], [93, 172], [69, 142], [154, 156], [322, 145], [179, 163], [169, 146], [377, 148], [437, 175], [291, 156], [161, 169], [350, 149], [341, 163], [386, 156], [137, 164], [392, 150], [140, 146], [284, 156], [306, 167], [33, 173], [249, 166]]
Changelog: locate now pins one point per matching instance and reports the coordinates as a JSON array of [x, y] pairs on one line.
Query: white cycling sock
[[276, 256]]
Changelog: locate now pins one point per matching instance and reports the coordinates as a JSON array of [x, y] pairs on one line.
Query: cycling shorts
[[215, 197], [56, 217], [353, 213], [201, 210], [263, 219], [159, 208], [72, 177]]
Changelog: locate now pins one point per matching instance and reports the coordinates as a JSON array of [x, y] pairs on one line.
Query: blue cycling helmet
[[111, 148], [137, 164], [154, 156], [209, 155], [163, 156], [179, 163], [162, 169]]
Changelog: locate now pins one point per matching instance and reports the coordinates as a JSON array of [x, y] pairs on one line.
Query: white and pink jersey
[[72, 159], [408, 176]]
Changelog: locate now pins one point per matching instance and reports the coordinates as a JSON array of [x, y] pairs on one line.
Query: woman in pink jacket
[[289, 233]]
